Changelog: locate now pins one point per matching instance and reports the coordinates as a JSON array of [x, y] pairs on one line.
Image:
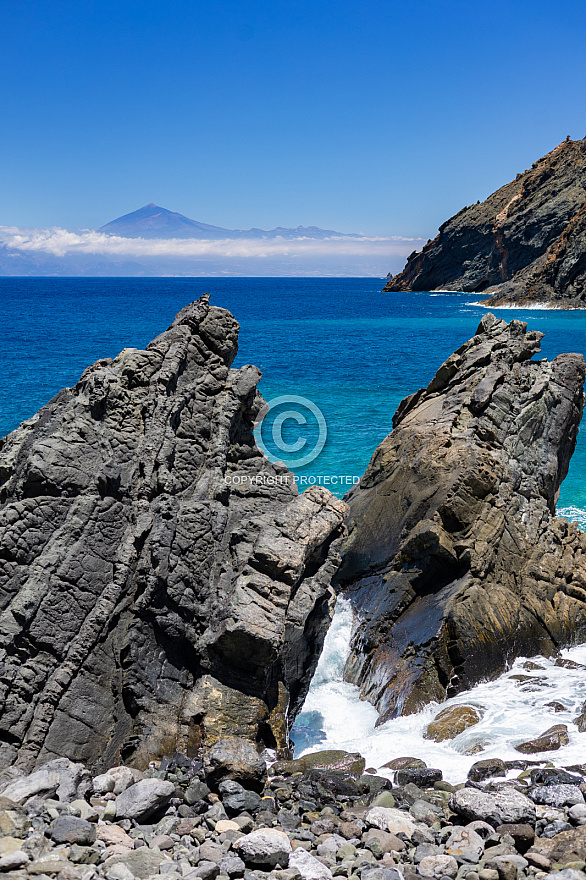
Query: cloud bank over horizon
[[56, 251]]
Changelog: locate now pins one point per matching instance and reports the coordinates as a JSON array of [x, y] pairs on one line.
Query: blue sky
[[378, 117]]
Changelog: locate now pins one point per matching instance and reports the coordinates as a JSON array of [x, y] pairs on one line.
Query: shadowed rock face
[[501, 240], [455, 561], [148, 600]]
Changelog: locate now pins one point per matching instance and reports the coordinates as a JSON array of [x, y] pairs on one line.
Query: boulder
[[390, 819], [551, 740], [308, 866], [438, 866], [495, 808], [450, 722], [422, 778], [237, 799], [141, 862], [557, 795], [333, 759], [465, 843], [69, 829], [237, 759], [144, 799], [405, 764], [455, 561], [486, 768], [163, 584], [267, 846]]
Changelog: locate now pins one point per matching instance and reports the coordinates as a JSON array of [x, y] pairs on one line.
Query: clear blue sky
[[357, 115]]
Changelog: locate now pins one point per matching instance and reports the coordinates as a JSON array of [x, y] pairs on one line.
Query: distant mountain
[[525, 243], [152, 221]]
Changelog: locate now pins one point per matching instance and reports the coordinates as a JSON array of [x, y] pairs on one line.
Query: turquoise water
[[340, 343]]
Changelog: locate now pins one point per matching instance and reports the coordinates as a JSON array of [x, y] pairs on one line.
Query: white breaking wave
[[532, 307], [512, 711], [573, 514]]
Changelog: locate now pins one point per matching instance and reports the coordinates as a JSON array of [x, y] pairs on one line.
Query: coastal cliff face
[[150, 601], [535, 216], [455, 562]]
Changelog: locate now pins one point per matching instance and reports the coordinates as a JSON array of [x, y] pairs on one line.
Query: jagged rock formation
[[528, 236], [149, 600], [455, 562], [558, 277]]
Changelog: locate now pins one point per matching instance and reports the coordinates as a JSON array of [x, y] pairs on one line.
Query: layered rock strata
[[455, 561], [161, 582], [525, 242]]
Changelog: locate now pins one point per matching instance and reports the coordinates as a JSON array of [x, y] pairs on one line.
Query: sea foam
[[512, 711]]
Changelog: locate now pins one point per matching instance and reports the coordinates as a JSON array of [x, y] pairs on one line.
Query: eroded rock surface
[[149, 601], [455, 562], [525, 242]]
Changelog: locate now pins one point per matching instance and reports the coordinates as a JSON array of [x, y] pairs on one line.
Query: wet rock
[[405, 764], [445, 564], [551, 740], [419, 777], [347, 762], [486, 768], [237, 759], [553, 776], [144, 799], [265, 847], [450, 722], [499, 808]]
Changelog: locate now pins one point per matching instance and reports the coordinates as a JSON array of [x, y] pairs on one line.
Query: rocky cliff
[[161, 583], [527, 236], [455, 561]]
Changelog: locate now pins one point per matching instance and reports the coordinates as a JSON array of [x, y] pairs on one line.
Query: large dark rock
[[455, 561], [529, 236], [149, 601]]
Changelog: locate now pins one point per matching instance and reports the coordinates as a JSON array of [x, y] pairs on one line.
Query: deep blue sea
[[340, 344]]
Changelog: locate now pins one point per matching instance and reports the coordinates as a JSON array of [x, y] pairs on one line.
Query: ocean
[[337, 356]]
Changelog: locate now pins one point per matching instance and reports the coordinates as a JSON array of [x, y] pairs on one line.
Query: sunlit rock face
[[148, 600], [455, 561], [525, 243]]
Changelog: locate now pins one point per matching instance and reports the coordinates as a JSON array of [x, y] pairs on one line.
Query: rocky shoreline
[[224, 815], [524, 244]]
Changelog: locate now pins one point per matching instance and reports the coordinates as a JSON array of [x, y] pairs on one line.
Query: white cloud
[[62, 243]]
